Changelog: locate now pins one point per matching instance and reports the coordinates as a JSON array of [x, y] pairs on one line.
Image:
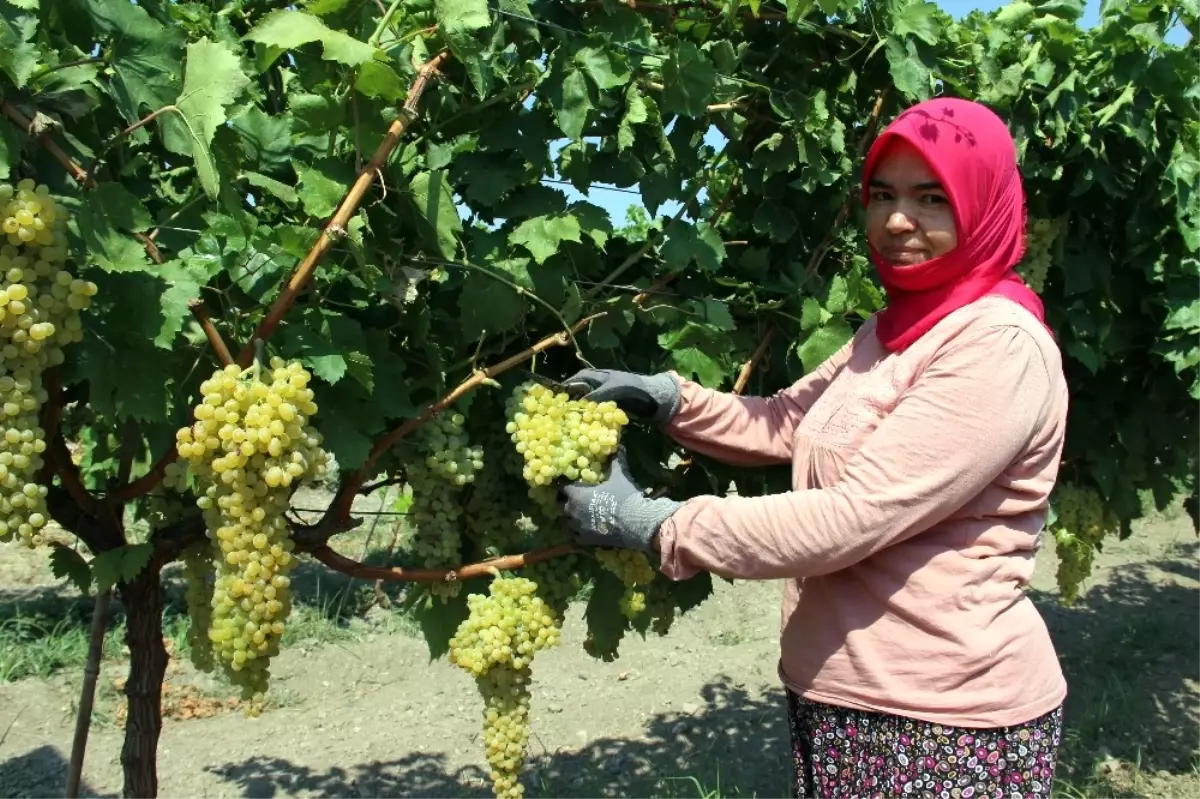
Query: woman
[[923, 455]]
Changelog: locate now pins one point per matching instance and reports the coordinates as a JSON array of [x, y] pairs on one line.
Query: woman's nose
[[899, 222]]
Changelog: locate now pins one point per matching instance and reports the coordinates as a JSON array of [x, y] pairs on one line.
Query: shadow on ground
[[39, 772], [1131, 652], [734, 739], [1129, 649]]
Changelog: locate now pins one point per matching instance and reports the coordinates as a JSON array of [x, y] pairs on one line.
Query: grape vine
[[225, 156]]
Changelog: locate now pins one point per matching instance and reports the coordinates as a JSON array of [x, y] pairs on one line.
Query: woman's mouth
[[904, 255]]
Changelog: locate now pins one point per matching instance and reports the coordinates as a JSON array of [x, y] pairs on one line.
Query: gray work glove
[[614, 513], [652, 397]]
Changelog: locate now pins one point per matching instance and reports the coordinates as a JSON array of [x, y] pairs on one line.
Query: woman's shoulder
[[992, 325]]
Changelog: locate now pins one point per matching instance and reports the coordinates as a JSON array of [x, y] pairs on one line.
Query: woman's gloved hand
[[614, 513], [651, 397]]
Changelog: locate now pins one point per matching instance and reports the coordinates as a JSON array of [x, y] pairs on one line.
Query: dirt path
[[371, 717]]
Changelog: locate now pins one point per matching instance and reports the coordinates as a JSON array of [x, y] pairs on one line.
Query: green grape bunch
[[1082, 524], [496, 645], [1039, 241], [635, 572], [447, 463], [40, 305], [250, 443], [561, 437]]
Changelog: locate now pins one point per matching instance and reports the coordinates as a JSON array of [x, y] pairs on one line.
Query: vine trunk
[[143, 690]]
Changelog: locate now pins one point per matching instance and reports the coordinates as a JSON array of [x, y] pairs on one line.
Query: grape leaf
[[824, 341], [774, 220], [606, 626], [281, 191], [109, 213], [66, 562], [145, 57], [636, 113], [458, 21], [487, 306], [606, 68], [543, 235], [265, 139], [593, 221], [18, 54], [439, 620], [920, 20], [121, 564], [286, 29], [908, 71], [456, 16], [690, 361], [10, 150], [433, 201], [571, 103], [322, 186], [686, 243], [688, 79], [184, 280], [212, 80], [380, 80]]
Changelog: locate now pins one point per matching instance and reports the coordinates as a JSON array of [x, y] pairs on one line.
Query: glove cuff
[[664, 389], [641, 518]]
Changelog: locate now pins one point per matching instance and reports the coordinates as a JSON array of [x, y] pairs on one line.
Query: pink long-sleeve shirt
[[920, 486]]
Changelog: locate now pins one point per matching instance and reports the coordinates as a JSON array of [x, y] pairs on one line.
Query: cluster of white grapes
[[562, 437], [634, 570], [449, 454], [197, 576], [40, 304], [1039, 241], [250, 443], [1083, 522], [449, 463], [496, 644], [161, 511]]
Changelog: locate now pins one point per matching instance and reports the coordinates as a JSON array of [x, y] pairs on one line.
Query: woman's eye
[[879, 195], [934, 199]]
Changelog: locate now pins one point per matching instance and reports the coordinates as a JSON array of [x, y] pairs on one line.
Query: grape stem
[[89, 178], [199, 311], [26, 124], [747, 369], [339, 510], [349, 206], [341, 563]]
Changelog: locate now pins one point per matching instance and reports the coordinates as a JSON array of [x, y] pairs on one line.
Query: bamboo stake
[[87, 694]]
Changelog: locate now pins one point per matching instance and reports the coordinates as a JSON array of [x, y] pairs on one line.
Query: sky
[[616, 200]]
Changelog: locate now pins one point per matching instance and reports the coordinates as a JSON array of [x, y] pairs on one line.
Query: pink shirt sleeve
[[972, 411], [749, 431]]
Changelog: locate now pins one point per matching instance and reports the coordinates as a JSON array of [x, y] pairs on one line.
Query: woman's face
[[909, 216]]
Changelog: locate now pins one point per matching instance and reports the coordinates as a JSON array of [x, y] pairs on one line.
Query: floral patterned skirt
[[842, 752]]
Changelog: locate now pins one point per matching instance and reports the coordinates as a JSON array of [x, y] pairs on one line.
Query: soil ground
[[360, 711]]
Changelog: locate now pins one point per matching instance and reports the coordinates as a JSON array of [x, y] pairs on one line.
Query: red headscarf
[[974, 157]]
